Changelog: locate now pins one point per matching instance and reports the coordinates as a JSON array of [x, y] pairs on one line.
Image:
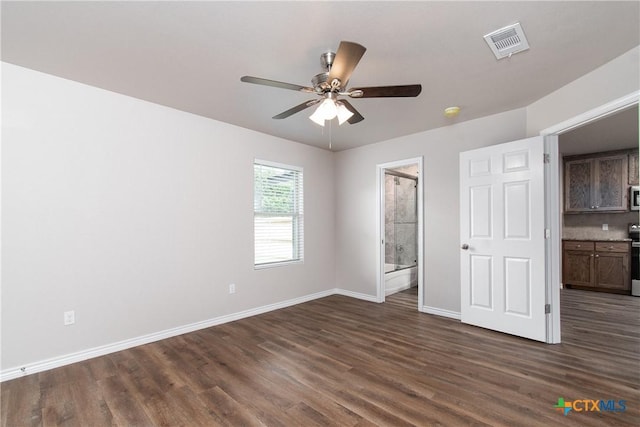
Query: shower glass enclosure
[[401, 221]]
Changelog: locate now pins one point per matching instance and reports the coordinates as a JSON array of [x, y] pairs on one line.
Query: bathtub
[[399, 280]]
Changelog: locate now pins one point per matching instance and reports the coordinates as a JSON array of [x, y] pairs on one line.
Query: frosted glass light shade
[[317, 117], [343, 113], [327, 110]]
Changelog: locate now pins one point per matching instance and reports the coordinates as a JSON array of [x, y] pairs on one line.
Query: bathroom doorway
[[400, 229]]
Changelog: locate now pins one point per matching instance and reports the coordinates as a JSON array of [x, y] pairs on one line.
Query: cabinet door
[[634, 178], [577, 268], [610, 184], [578, 185], [612, 270]]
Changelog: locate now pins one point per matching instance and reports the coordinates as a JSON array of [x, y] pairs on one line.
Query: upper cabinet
[[597, 183]]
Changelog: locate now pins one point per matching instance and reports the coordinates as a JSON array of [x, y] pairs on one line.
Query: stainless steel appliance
[[634, 235], [634, 198]]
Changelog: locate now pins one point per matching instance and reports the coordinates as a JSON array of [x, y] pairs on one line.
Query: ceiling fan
[[332, 83]]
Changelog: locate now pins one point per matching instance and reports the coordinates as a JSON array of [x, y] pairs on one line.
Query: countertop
[[598, 240]]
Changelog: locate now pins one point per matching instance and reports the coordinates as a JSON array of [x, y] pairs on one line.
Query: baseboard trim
[[440, 312], [357, 295], [56, 362]]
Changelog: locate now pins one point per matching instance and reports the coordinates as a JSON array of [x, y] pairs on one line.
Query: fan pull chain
[[330, 133]]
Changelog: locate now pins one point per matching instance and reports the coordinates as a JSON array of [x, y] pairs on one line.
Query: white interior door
[[502, 232]]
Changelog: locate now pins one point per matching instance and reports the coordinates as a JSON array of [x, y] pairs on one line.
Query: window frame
[[297, 216]]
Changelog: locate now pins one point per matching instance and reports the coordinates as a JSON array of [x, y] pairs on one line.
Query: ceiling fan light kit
[[330, 109], [333, 83]]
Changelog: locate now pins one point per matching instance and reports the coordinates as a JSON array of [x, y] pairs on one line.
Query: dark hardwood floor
[[338, 361]]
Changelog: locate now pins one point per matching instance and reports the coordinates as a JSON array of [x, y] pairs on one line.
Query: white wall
[[356, 244], [137, 217], [613, 80]]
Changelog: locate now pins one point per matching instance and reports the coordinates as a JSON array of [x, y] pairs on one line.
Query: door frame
[[553, 205], [380, 170]]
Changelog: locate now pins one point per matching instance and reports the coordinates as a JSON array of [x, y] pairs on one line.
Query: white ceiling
[[191, 55], [615, 132]]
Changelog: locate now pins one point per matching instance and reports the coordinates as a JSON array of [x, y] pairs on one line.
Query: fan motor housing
[[320, 83]]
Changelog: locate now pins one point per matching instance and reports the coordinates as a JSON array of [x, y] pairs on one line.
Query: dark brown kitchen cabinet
[[634, 175], [601, 266], [577, 263], [596, 184]]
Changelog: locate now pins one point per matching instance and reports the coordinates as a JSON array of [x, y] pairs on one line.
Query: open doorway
[[399, 230], [613, 135], [571, 134]]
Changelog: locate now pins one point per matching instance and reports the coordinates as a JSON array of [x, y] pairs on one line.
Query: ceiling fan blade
[[345, 62], [273, 83], [386, 91], [296, 109], [357, 117]]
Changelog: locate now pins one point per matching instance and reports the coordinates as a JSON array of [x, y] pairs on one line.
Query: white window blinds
[[278, 224]]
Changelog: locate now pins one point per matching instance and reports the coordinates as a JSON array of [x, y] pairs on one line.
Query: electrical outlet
[[69, 318], [605, 227], [232, 288]]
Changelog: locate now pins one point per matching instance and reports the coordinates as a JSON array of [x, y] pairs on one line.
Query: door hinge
[[547, 308], [547, 158], [547, 233]]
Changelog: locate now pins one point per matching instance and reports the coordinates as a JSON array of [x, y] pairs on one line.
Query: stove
[[634, 235]]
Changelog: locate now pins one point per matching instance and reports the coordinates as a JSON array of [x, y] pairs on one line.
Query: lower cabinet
[[578, 263], [597, 265]]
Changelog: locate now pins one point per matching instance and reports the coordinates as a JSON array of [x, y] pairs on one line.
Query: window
[[278, 225]]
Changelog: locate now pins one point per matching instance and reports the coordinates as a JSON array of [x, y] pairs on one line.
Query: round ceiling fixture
[[451, 111]]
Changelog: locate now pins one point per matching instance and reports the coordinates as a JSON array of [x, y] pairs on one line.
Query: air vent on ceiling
[[507, 41]]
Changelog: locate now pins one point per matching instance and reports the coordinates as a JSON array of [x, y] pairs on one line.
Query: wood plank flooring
[[338, 361]]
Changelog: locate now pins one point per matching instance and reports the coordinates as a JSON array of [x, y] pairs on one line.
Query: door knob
[[465, 246]]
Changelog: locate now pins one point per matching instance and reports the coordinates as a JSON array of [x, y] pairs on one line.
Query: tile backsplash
[[589, 226]]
